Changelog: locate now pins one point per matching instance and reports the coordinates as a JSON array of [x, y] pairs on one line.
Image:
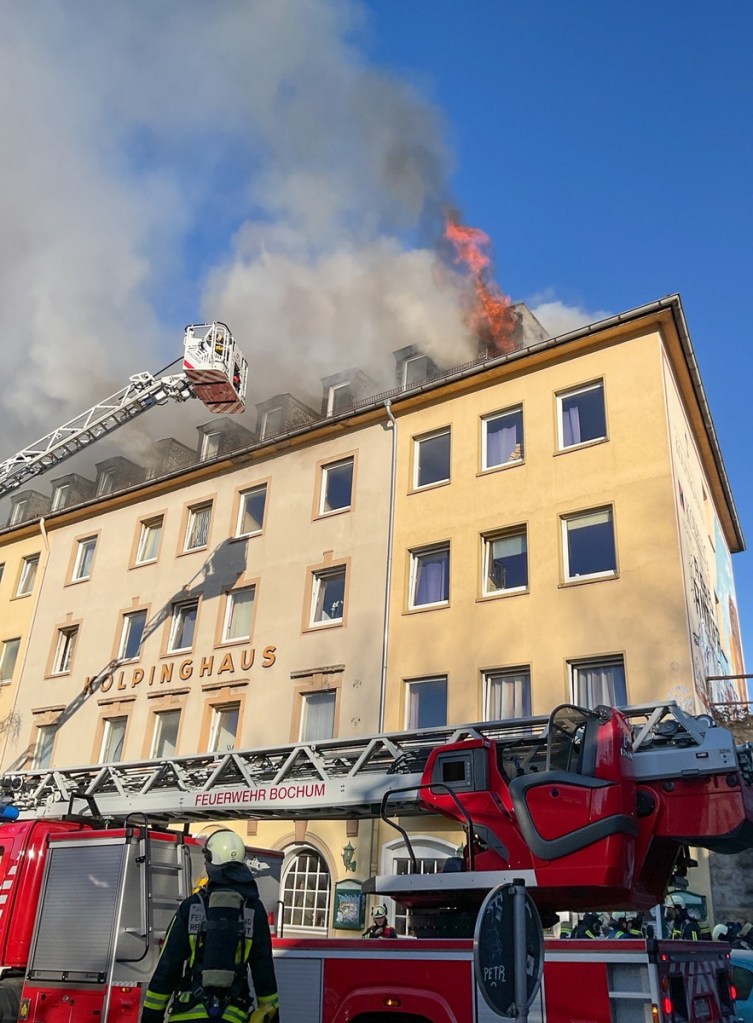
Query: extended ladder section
[[214, 370], [349, 778]]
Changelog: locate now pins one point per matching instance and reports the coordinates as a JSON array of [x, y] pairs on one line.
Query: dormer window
[[106, 482], [340, 398], [60, 496], [210, 445], [415, 369], [271, 423]]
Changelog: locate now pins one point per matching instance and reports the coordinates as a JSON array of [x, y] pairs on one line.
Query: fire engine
[[591, 808]]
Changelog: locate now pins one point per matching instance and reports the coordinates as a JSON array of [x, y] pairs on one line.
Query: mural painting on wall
[[711, 601]]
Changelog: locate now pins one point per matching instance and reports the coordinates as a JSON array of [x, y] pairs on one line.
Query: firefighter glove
[[265, 1014]]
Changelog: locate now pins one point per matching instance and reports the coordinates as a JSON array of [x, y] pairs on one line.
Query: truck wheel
[[10, 998]]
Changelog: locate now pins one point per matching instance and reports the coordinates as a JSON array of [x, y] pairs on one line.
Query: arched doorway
[[305, 893]]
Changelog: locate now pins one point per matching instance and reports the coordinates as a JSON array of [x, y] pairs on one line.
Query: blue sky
[[607, 149], [282, 165]]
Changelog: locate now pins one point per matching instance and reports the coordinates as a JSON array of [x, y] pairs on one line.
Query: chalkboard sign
[[497, 945]]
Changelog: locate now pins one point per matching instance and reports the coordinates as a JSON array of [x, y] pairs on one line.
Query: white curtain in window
[[600, 683], [319, 717], [432, 578], [508, 695]]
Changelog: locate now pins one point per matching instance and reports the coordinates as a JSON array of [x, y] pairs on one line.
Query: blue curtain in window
[[500, 444], [571, 425], [432, 578]]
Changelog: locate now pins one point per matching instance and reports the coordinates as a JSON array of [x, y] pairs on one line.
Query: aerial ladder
[[592, 808], [213, 370]]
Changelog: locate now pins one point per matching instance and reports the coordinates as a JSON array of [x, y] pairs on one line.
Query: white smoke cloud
[[240, 160], [559, 318]]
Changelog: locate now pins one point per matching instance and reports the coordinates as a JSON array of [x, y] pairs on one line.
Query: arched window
[[306, 888], [430, 855]]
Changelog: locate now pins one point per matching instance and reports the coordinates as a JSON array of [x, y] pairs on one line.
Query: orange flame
[[491, 314]]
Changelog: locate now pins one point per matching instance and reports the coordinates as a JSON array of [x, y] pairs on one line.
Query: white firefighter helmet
[[225, 847], [378, 911], [719, 932]]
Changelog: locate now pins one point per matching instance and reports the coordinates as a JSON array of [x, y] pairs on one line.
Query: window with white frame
[[8, 658], [430, 576], [581, 415], [224, 728], [106, 482], [64, 650], [197, 527], [210, 445], [431, 459], [328, 596], [426, 704], [29, 567], [45, 740], [149, 540], [588, 544], [82, 566], [113, 737], [340, 398], [599, 680], [415, 369], [306, 888], [318, 715], [271, 423], [430, 853], [131, 635], [239, 613], [505, 561], [502, 438], [337, 486], [253, 504], [507, 694], [20, 509], [2, 570], [183, 626], [165, 737], [60, 496]]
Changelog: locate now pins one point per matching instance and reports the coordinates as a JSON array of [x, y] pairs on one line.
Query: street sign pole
[[521, 953]]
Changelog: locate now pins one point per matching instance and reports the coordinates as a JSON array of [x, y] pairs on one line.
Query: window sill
[[490, 469], [585, 579], [429, 486], [75, 582], [426, 607], [330, 514], [245, 536], [144, 564], [319, 626], [223, 644], [193, 550], [579, 447], [519, 591]]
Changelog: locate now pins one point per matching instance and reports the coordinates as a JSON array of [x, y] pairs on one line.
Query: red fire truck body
[[584, 807]]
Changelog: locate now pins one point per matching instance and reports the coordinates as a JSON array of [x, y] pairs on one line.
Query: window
[[337, 486], [581, 417], [271, 423], [502, 438], [28, 575], [507, 694], [415, 369], [20, 508], [224, 729], [149, 540], [2, 570], [60, 496], [239, 610], [131, 635], [64, 650], [588, 544], [599, 681], [305, 892], [82, 567], [430, 576], [210, 445], [431, 458], [8, 657], [183, 626], [106, 482], [318, 719], [340, 399], [430, 854], [113, 737], [45, 740], [328, 597], [427, 703], [197, 527], [165, 740], [251, 511], [506, 561]]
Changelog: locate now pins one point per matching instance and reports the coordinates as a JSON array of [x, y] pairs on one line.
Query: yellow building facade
[[546, 527]]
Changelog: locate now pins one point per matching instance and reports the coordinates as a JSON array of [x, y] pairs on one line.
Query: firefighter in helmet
[[380, 928], [215, 936]]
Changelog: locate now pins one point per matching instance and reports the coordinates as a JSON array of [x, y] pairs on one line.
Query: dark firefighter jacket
[[175, 974]]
